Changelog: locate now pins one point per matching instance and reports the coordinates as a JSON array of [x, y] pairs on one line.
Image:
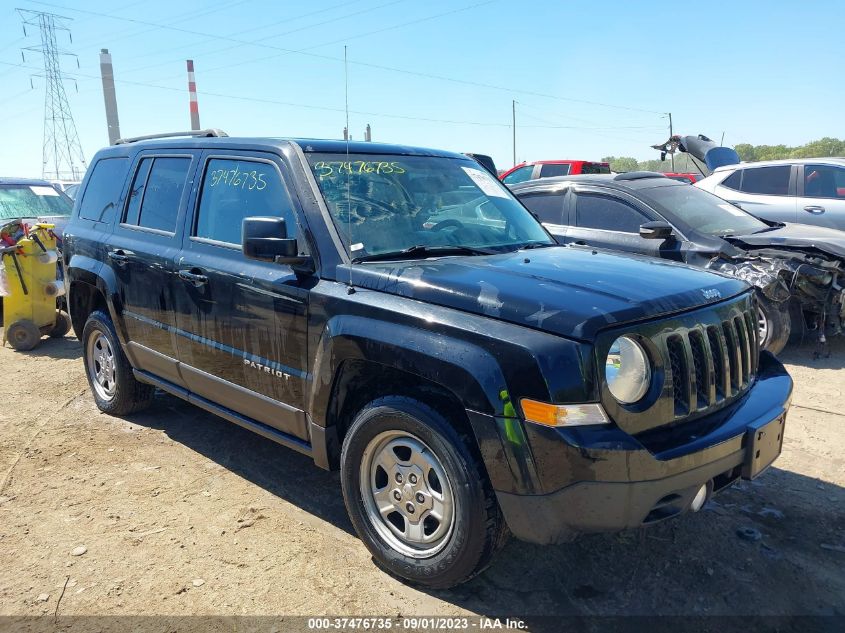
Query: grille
[[711, 364]]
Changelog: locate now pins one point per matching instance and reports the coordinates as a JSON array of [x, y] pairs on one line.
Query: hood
[[798, 236], [567, 291]]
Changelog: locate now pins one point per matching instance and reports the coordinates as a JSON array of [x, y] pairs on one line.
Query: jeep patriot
[[395, 313]]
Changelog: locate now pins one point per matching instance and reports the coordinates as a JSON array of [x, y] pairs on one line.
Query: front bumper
[[561, 482]]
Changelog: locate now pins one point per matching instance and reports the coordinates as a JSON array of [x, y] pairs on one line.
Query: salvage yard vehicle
[[551, 168], [32, 201], [468, 379], [797, 270], [806, 190]]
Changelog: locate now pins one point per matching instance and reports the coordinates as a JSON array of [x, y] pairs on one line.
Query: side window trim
[[139, 158], [194, 208]]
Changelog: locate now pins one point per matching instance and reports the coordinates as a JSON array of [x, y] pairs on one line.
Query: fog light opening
[[701, 497]]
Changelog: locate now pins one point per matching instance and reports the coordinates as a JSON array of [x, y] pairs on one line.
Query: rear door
[[610, 220], [242, 321], [821, 195], [768, 192], [141, 252]]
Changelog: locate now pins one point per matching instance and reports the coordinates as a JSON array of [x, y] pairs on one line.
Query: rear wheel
[[418, 496], [109, 373], [773, 324]]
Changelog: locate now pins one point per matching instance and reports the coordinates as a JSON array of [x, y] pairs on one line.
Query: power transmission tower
[[62, 154]]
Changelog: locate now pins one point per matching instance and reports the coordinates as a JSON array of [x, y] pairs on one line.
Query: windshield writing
[[388, 204]]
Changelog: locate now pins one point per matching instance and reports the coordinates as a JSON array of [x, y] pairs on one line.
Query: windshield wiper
[[529, 245], [421, 250]]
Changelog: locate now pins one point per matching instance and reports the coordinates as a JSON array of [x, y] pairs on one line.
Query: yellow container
[[30, 309]]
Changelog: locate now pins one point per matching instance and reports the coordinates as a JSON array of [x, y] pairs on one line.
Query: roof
[[834, 160], [308, 145], [35, 182], [625, 181]]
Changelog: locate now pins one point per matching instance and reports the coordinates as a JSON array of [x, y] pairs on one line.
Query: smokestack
[[192, 90], [109, 95]]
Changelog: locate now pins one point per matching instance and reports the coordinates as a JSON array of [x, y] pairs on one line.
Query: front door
[[141, 253], [242, 322], [608, 221]]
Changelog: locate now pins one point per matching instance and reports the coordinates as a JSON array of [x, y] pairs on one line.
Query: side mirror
[[656, 230], [266, 239]]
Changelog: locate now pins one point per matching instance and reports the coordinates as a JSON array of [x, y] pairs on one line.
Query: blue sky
[[441, 73]]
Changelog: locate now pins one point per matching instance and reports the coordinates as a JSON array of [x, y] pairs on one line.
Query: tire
[[470, 530], [62, 325], [23, 335], [109, 373], [774, 324]]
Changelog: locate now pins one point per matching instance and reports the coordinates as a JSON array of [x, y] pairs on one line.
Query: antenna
[[351, 288], [62, 155]]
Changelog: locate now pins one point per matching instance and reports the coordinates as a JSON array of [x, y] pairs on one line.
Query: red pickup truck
[[550, 168]]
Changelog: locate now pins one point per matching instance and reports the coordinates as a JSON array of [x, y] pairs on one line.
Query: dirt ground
[[180, 512]]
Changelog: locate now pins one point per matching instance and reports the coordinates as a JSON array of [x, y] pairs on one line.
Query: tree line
[[824, 147]]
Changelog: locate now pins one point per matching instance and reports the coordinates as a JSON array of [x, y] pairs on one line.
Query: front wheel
[[417, 495], [773, 324]]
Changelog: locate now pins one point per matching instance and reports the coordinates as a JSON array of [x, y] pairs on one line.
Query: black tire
[[478, 530], [778, 324], [23, 335], [62, 325], [128, 394]]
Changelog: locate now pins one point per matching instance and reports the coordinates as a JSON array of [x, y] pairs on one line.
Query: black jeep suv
[[469, 377]]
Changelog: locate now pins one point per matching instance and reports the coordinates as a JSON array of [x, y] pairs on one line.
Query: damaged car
[[797, 270]]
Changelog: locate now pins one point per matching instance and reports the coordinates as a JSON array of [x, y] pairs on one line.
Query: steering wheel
[[367, 202], [445, 224]]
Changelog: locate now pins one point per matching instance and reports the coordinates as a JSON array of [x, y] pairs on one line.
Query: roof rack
[[208, 132], [638, 175]]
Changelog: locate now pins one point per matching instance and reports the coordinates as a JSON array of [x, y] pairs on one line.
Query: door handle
[[119, 257], [580, 243], [196, 278], [814, 208]]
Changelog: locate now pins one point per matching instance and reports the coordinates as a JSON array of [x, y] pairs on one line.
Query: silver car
[[803, 190]]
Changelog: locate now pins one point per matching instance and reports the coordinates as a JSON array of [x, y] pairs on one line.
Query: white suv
[[804, 190]]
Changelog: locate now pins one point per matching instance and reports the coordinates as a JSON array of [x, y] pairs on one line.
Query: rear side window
[[552, 170], [236, 189], [824, 181], [547, 207], [769, 181], [520, 175], [103, 190], [157, 192], [734, 181], [595, 168], [595, 211]]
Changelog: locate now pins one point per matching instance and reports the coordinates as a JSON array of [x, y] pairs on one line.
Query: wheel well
[[84, 299], [360, 382]]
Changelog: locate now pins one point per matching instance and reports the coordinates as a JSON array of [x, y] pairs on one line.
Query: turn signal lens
[[563, 414]]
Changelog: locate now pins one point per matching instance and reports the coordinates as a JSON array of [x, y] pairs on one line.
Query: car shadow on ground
[[733, 557], [805, 354], [67, 347], [279, 470]]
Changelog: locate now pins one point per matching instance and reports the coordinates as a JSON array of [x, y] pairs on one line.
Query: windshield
[[32, 201], [389, 203], [703, 211]]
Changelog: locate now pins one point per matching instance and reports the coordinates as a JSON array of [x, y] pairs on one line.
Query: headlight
[[627, 370]]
